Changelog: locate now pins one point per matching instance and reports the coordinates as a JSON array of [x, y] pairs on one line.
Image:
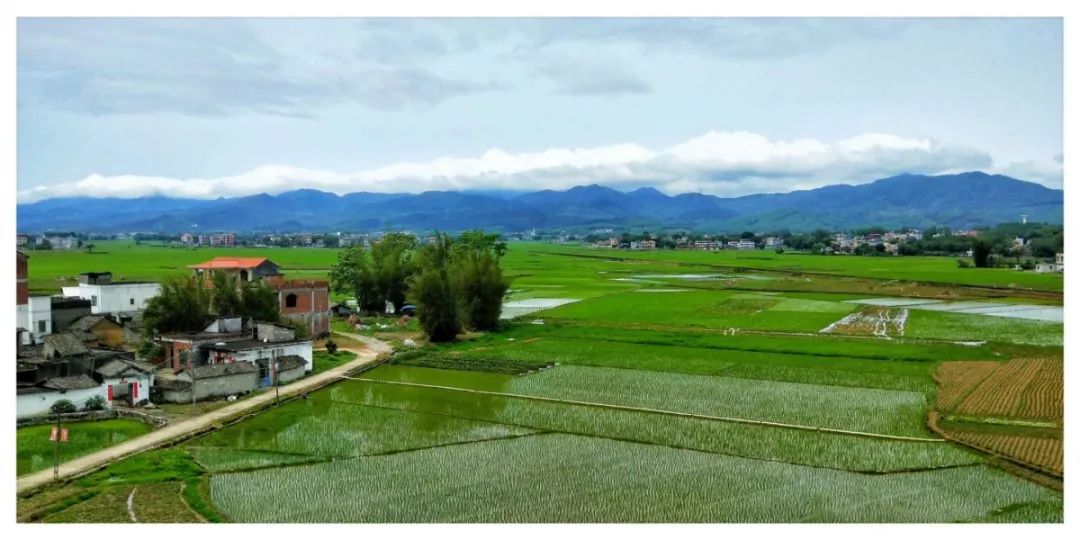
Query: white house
[[107, 297], [126, 380], [37, 400], [35, 318]]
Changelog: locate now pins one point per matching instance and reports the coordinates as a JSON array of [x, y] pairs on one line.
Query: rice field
[[582, 479], [650, 387]]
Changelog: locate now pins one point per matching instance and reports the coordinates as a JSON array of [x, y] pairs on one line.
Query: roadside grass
[[323, 360], [34, 451], [162, 465]]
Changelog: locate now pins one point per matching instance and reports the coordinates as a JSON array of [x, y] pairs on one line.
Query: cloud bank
[[718, 162]]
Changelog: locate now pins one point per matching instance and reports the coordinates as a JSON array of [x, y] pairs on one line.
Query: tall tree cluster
[[186, 304], [454, 283]]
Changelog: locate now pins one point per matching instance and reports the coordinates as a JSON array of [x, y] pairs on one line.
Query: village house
[[60, 241], [707, 245], [647, 244], [99, 329], [1049, 267], [112, 297], [774, 241], [63, 367]]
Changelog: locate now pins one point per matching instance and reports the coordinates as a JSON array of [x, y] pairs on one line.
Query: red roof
[[229, 263]]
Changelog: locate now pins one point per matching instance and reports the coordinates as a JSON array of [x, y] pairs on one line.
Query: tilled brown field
[[1022, 390], [1030, 389]]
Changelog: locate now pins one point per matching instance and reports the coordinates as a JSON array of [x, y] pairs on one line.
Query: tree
[[44, 244], [432, 291], [259, 302], [480, 284], [392, 265], [352, 274], [981, 253], [225, 301], [183, 305]]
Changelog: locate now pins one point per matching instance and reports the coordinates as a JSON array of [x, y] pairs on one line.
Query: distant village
[[79, 350]]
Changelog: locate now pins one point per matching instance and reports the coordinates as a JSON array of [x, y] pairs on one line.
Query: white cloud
[[717, 162]]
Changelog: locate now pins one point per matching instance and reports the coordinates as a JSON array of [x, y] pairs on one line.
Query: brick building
[[305, 301]]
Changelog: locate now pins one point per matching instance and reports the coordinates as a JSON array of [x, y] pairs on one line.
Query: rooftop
[[117, 367], [74, 382], [220, 370], [250, 344], [206, 336], [230, 263], [66, 344]]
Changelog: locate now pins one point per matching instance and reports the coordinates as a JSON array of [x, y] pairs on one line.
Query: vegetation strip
[[655, 411]]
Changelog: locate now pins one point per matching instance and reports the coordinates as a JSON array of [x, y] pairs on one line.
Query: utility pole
[[277, 392], [56, 449]]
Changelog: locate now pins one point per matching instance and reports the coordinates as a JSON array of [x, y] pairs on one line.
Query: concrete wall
[[141, 393], [118, 297], [312, 304], [288, 376], [274, 332], [62, 317], [37, 404], [38, 311], [214, 387]]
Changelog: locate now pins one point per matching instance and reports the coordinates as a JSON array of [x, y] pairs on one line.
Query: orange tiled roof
[[229, 263]]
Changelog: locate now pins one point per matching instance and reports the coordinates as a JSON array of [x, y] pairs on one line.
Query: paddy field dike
[[662, 386]]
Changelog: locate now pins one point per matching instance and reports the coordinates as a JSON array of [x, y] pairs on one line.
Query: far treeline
[[455, 283]]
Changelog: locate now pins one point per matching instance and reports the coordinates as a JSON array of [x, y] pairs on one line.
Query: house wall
[[290, 375], [274, 332], [64, 314], [38, 404], [312, 307], [22, 287], [213, 387], [39, 314], [142, 392], [118, 297]]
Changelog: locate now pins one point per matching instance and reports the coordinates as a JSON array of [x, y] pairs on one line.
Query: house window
[[41, 327], [290, 300], [243, 275], [132, 301], [93, 300]]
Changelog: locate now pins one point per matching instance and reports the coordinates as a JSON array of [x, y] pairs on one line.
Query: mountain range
[[962, 200]]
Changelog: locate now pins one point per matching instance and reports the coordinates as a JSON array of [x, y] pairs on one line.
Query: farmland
[[662, 386], [34, 450]]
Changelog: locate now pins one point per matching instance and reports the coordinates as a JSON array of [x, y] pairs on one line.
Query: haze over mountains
[[960, 201]]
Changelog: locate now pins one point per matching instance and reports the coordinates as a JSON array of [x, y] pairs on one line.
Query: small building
[[245, 269], [113, 297], [38, 399], [341, 310], [126, 381], [210, 381]]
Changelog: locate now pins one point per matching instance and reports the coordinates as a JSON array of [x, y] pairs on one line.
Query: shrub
[[331, 347], [95, 403], [62, 406], [962, 263]]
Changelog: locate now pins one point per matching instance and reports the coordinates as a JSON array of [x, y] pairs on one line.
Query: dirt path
[[373, 350]]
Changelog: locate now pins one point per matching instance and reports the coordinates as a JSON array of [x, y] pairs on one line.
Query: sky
[[206, 108]]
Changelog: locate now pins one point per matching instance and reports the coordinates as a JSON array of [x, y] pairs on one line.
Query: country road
[[372, 351]]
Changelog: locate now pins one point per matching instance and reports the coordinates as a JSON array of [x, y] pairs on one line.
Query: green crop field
[[34, 450], [667, 386]]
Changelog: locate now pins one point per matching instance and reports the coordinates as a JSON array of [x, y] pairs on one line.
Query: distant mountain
[[959, 200]]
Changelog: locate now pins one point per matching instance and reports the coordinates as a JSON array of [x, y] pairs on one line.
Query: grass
[[323, 360], [107, 506], [162, 503], [470, 362], [594, 480], [34, 451]]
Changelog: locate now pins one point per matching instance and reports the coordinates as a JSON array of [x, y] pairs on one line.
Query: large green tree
[[393, 265], [480, 285], [182, 305], [432, 290], [352, 274]]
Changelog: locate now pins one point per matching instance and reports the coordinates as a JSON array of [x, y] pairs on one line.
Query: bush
[[95, 403], [62, 406], [962, 263], [331, 347]]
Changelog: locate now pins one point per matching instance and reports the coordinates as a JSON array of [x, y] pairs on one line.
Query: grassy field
[[34, 450], [676, 386]]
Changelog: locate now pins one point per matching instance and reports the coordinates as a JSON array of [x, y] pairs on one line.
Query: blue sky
[[226, 107]]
